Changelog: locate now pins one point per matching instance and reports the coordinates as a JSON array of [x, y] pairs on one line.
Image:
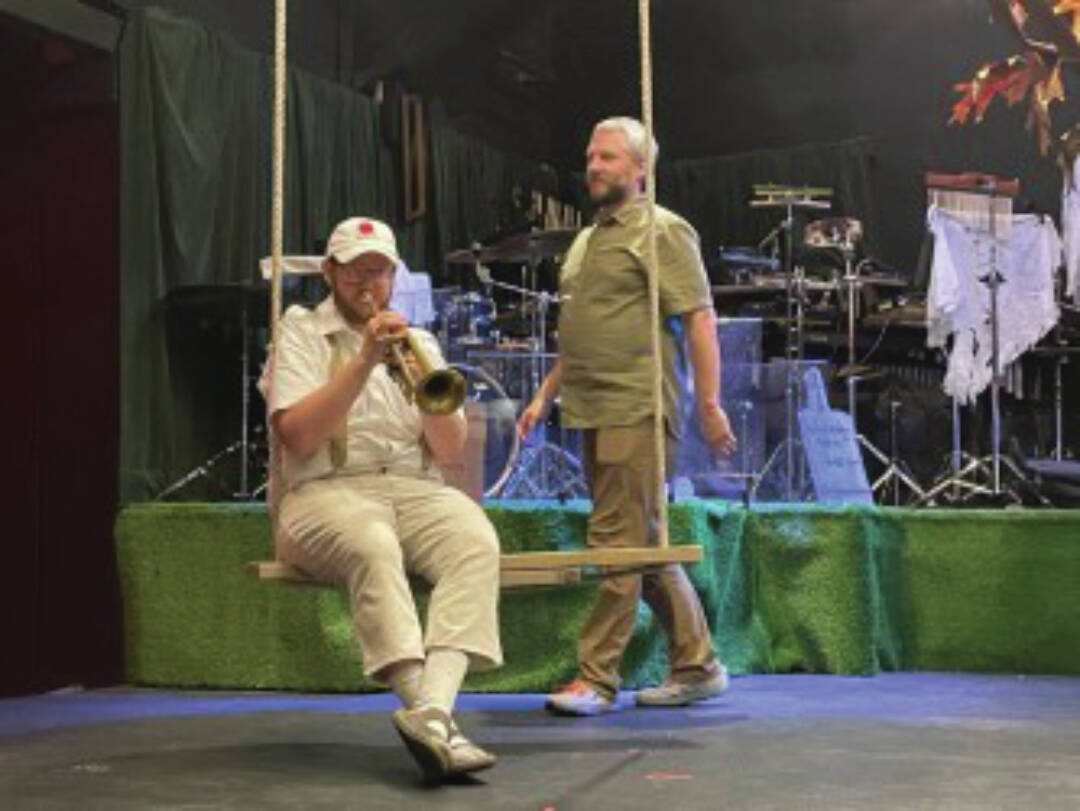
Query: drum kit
[[506, 345], [509, 342], [495, 332], [789, 276], [495, 336]]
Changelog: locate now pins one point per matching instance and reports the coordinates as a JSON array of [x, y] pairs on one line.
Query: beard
[[357, 316], [610, 194]]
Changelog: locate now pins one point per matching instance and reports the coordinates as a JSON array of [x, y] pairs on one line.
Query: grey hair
[[635, 134]]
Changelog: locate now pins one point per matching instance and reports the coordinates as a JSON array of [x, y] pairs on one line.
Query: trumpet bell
[[440, 392]]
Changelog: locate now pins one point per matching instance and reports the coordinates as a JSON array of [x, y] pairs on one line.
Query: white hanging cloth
[[1070, 227], [958, 303]]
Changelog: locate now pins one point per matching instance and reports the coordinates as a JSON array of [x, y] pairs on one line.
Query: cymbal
[[860, 371], [743, 291], [882, 280], [747, 258], [910, 315], [795, 201], [783, 189], [528, 247], [772, 195], [763, 285]]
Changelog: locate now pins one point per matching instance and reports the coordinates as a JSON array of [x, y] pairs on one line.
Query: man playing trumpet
[[365, 502]]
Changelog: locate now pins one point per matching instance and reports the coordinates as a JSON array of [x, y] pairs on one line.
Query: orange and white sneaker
[[580, 697]]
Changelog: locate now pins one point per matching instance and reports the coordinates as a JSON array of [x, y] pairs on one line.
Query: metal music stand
[[947, 190]]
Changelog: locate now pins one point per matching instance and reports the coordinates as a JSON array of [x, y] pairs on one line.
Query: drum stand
[[1061, 353], [789, 199], [790, 448], [896, 471], [244, 446], [961, 481], [544, 469]]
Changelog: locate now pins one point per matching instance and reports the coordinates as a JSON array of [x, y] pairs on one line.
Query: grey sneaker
[[426, 733], [676, 693]]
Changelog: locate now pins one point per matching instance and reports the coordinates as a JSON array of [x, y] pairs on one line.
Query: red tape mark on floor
[[669, 776]]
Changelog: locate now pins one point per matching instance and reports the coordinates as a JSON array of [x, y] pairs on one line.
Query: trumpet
[[435, 391]]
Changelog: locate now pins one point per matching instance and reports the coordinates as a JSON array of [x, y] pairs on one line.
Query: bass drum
[[492, 447]]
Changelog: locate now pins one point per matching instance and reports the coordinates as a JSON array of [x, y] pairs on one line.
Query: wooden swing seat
[[536, 569]]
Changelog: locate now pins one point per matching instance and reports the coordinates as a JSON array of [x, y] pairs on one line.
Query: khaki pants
[[366, 531], [620, 468]]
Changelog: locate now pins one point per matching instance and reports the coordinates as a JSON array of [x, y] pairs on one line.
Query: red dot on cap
[[367, 228]]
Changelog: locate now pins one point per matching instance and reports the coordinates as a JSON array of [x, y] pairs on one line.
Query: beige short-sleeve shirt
[[383, 429], [605, 343]]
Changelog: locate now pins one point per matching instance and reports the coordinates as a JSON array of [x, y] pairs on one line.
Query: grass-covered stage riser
[[785, 589]]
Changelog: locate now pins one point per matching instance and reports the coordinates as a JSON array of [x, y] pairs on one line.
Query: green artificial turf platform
[[852, 590]]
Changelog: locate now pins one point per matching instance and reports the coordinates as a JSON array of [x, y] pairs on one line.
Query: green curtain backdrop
[[195, 147], [474, 188]]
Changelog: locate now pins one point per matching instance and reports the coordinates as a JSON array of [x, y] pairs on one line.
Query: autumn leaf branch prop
[[1048, 31]]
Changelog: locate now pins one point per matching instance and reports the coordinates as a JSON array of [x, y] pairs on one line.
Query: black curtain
[[478, 191]]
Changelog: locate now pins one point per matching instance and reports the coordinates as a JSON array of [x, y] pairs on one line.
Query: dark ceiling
[[535, 74], [729, 77]]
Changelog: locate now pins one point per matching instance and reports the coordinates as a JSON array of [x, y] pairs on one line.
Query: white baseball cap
[[360, 235]]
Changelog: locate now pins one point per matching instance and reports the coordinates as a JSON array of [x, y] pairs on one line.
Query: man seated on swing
[[364, 501]]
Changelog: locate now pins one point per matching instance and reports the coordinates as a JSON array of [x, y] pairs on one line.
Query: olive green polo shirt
[[605, 342]]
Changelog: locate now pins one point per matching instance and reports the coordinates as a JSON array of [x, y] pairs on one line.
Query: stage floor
[[897, 740]]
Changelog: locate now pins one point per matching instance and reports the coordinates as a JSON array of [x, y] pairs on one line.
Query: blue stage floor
[[907, 740]]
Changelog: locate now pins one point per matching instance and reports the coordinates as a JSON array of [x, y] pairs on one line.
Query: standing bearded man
[[604, 375]]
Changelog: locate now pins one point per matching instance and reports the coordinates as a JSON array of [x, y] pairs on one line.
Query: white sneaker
[[675, 693], [465, 756], [579, 698], [426, 733]]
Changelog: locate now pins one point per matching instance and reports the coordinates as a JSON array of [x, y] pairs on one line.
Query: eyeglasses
[[354, 274]]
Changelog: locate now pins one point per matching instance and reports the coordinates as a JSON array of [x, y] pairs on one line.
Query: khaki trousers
[[367, 531], [620, 465]]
